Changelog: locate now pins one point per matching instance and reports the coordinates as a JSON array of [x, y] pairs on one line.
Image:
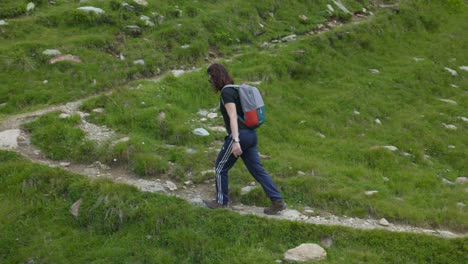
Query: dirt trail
[[194, 194]]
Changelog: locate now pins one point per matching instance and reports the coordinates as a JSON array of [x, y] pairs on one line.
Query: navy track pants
[[251, 158]]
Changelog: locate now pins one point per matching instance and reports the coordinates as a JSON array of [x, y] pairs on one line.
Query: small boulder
[[305, 252], [384, 222], [65, 57], [91, 9], [75, 208], [201, 132]]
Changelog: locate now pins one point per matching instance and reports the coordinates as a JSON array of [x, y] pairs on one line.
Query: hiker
[[240, 142]]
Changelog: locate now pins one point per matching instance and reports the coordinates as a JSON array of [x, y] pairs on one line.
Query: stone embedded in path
[[289, 38], [9, 139], [91, 9], [384, 222], [171, 186], [305, 252], [177, 73], [247, 189]]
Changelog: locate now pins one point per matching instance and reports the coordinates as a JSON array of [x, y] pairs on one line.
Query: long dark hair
[[219, 76]]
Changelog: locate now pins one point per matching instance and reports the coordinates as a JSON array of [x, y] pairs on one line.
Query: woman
[[240, 142]]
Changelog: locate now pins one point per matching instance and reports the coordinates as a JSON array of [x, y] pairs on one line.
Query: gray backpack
[[252, 105]]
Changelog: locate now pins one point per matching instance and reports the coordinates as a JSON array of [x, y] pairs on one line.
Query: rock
[[453, 72], [321, 135], [186, 46], [65, 57], [377, 121], [141, 2], [188, 183], [461, 180], [171, 186], [64, 164], [30, 7], [460, 204], [212, 115], [128, 6], [356, 112], [305, 252], [370, 193], [91, 9], [217, 129], [464, 68], [451, 127], [384, 222], [374, 71], [463, 118], [303, 17], [447, 182], [133, 30], [418, 59], [139, 62], [9, 139], [177, 73], [341, 6], [3, 23], [448, 101], [191, 151], [51, 52], [247, 189], [330, 8], [75, 208], [64, 116], [289, 38], [391, 148], [201, 132]]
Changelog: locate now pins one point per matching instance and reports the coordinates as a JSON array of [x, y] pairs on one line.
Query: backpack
[[252, 105]]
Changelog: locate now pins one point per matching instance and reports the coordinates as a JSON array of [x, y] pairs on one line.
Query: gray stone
[[247, 189], [201, 132], [9, 139], [75, 208], [461, 180], [30, 7], [139, 62], [289, 38], [448, 101], [3, 23], [370, 193], [305, 252], [453, 72], [141, 2], [91, 9], [341, 6], [464, 68], [171, 186], [51, 52], [384, 222]]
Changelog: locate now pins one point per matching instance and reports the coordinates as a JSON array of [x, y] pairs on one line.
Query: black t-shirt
[[230, 95]]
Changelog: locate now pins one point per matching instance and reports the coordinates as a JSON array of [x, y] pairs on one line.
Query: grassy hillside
[[322, 135], [119, 224], [172, 34], [334, 100]]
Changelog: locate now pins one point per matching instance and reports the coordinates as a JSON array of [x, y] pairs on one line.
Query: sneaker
[[275, 208], [213, 204]]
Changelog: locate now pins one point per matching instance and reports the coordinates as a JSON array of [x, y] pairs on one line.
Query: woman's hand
[[236, 149]]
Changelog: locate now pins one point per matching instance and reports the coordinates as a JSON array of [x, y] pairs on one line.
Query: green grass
[[318, 93], [119, 224]]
